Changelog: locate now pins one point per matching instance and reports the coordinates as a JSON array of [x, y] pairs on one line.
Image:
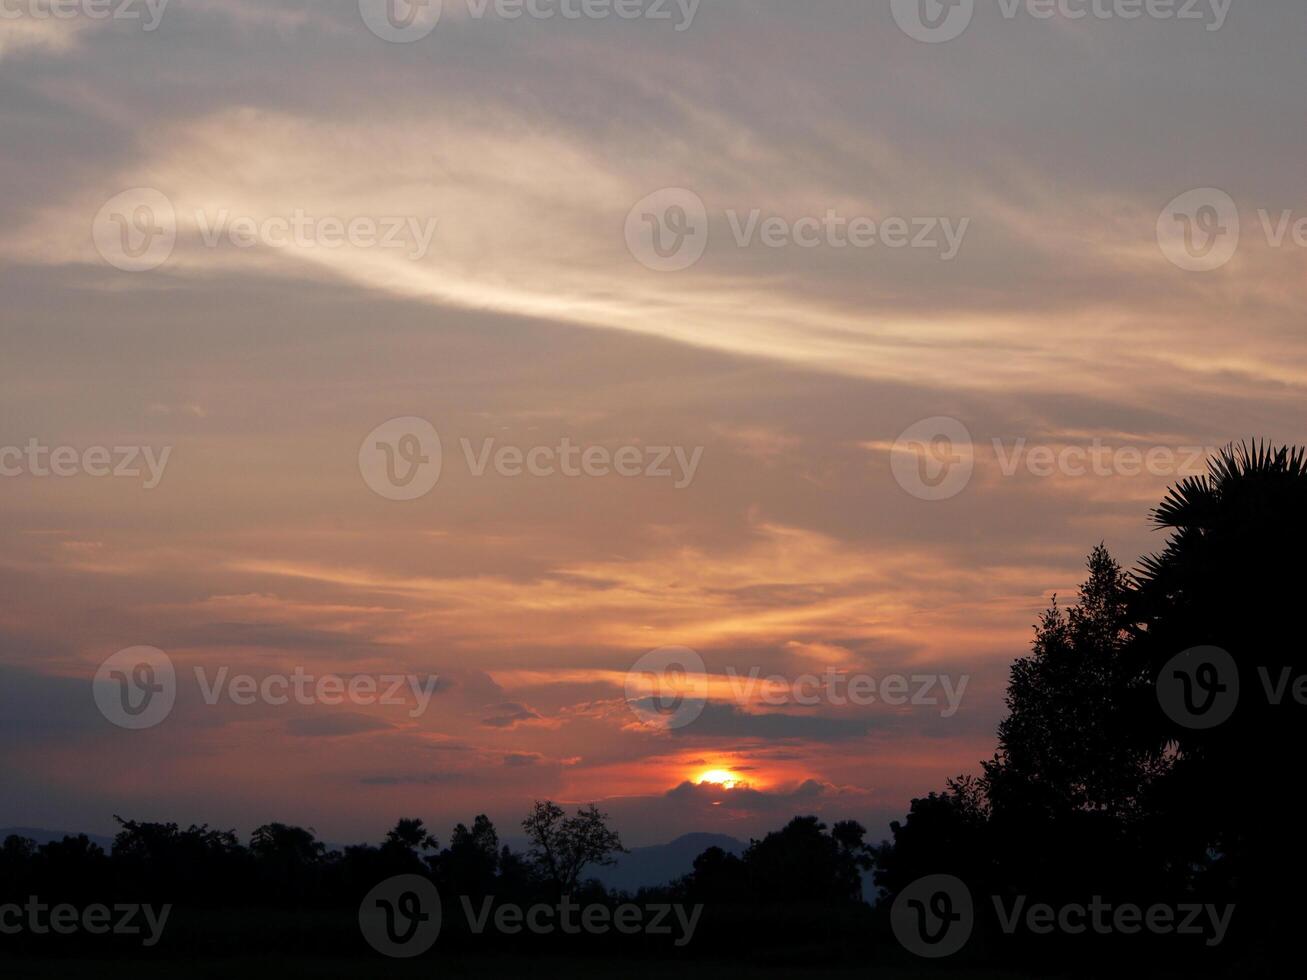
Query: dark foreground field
[[482, 968]]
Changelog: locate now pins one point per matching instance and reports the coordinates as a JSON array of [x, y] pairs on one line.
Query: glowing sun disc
[[719, 777]]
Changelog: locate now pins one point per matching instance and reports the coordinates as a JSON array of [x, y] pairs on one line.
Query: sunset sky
[[524, 145]]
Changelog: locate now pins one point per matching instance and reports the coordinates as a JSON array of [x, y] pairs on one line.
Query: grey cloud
[[334, 724], [727, 720], [509, 715]]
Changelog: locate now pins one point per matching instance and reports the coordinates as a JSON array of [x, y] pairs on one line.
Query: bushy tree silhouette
[[1069, 788], [804, 863], [1069, 744], [943, 833], [472, 862], [562, 847]]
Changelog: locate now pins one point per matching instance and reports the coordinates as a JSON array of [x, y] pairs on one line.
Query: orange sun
[[720, 777]]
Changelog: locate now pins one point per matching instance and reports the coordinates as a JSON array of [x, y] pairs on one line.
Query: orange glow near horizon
[[720, 777]]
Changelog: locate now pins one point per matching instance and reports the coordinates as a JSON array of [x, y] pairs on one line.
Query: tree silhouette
[[291, 860], [1070, 787], [1095, 788], [409, 835], [1229, 577], [286, 844], [195, 864], [563, 847], [943, 833], [802, 863], [1069, 743], [472, 860]]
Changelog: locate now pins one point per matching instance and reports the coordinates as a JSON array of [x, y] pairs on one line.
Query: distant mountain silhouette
[[659, 864], [52, 836]]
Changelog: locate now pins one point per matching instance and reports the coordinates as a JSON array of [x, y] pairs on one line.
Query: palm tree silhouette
[[1231, 576]]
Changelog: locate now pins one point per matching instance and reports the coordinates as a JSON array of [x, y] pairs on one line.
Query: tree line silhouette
[[1094, 790]]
